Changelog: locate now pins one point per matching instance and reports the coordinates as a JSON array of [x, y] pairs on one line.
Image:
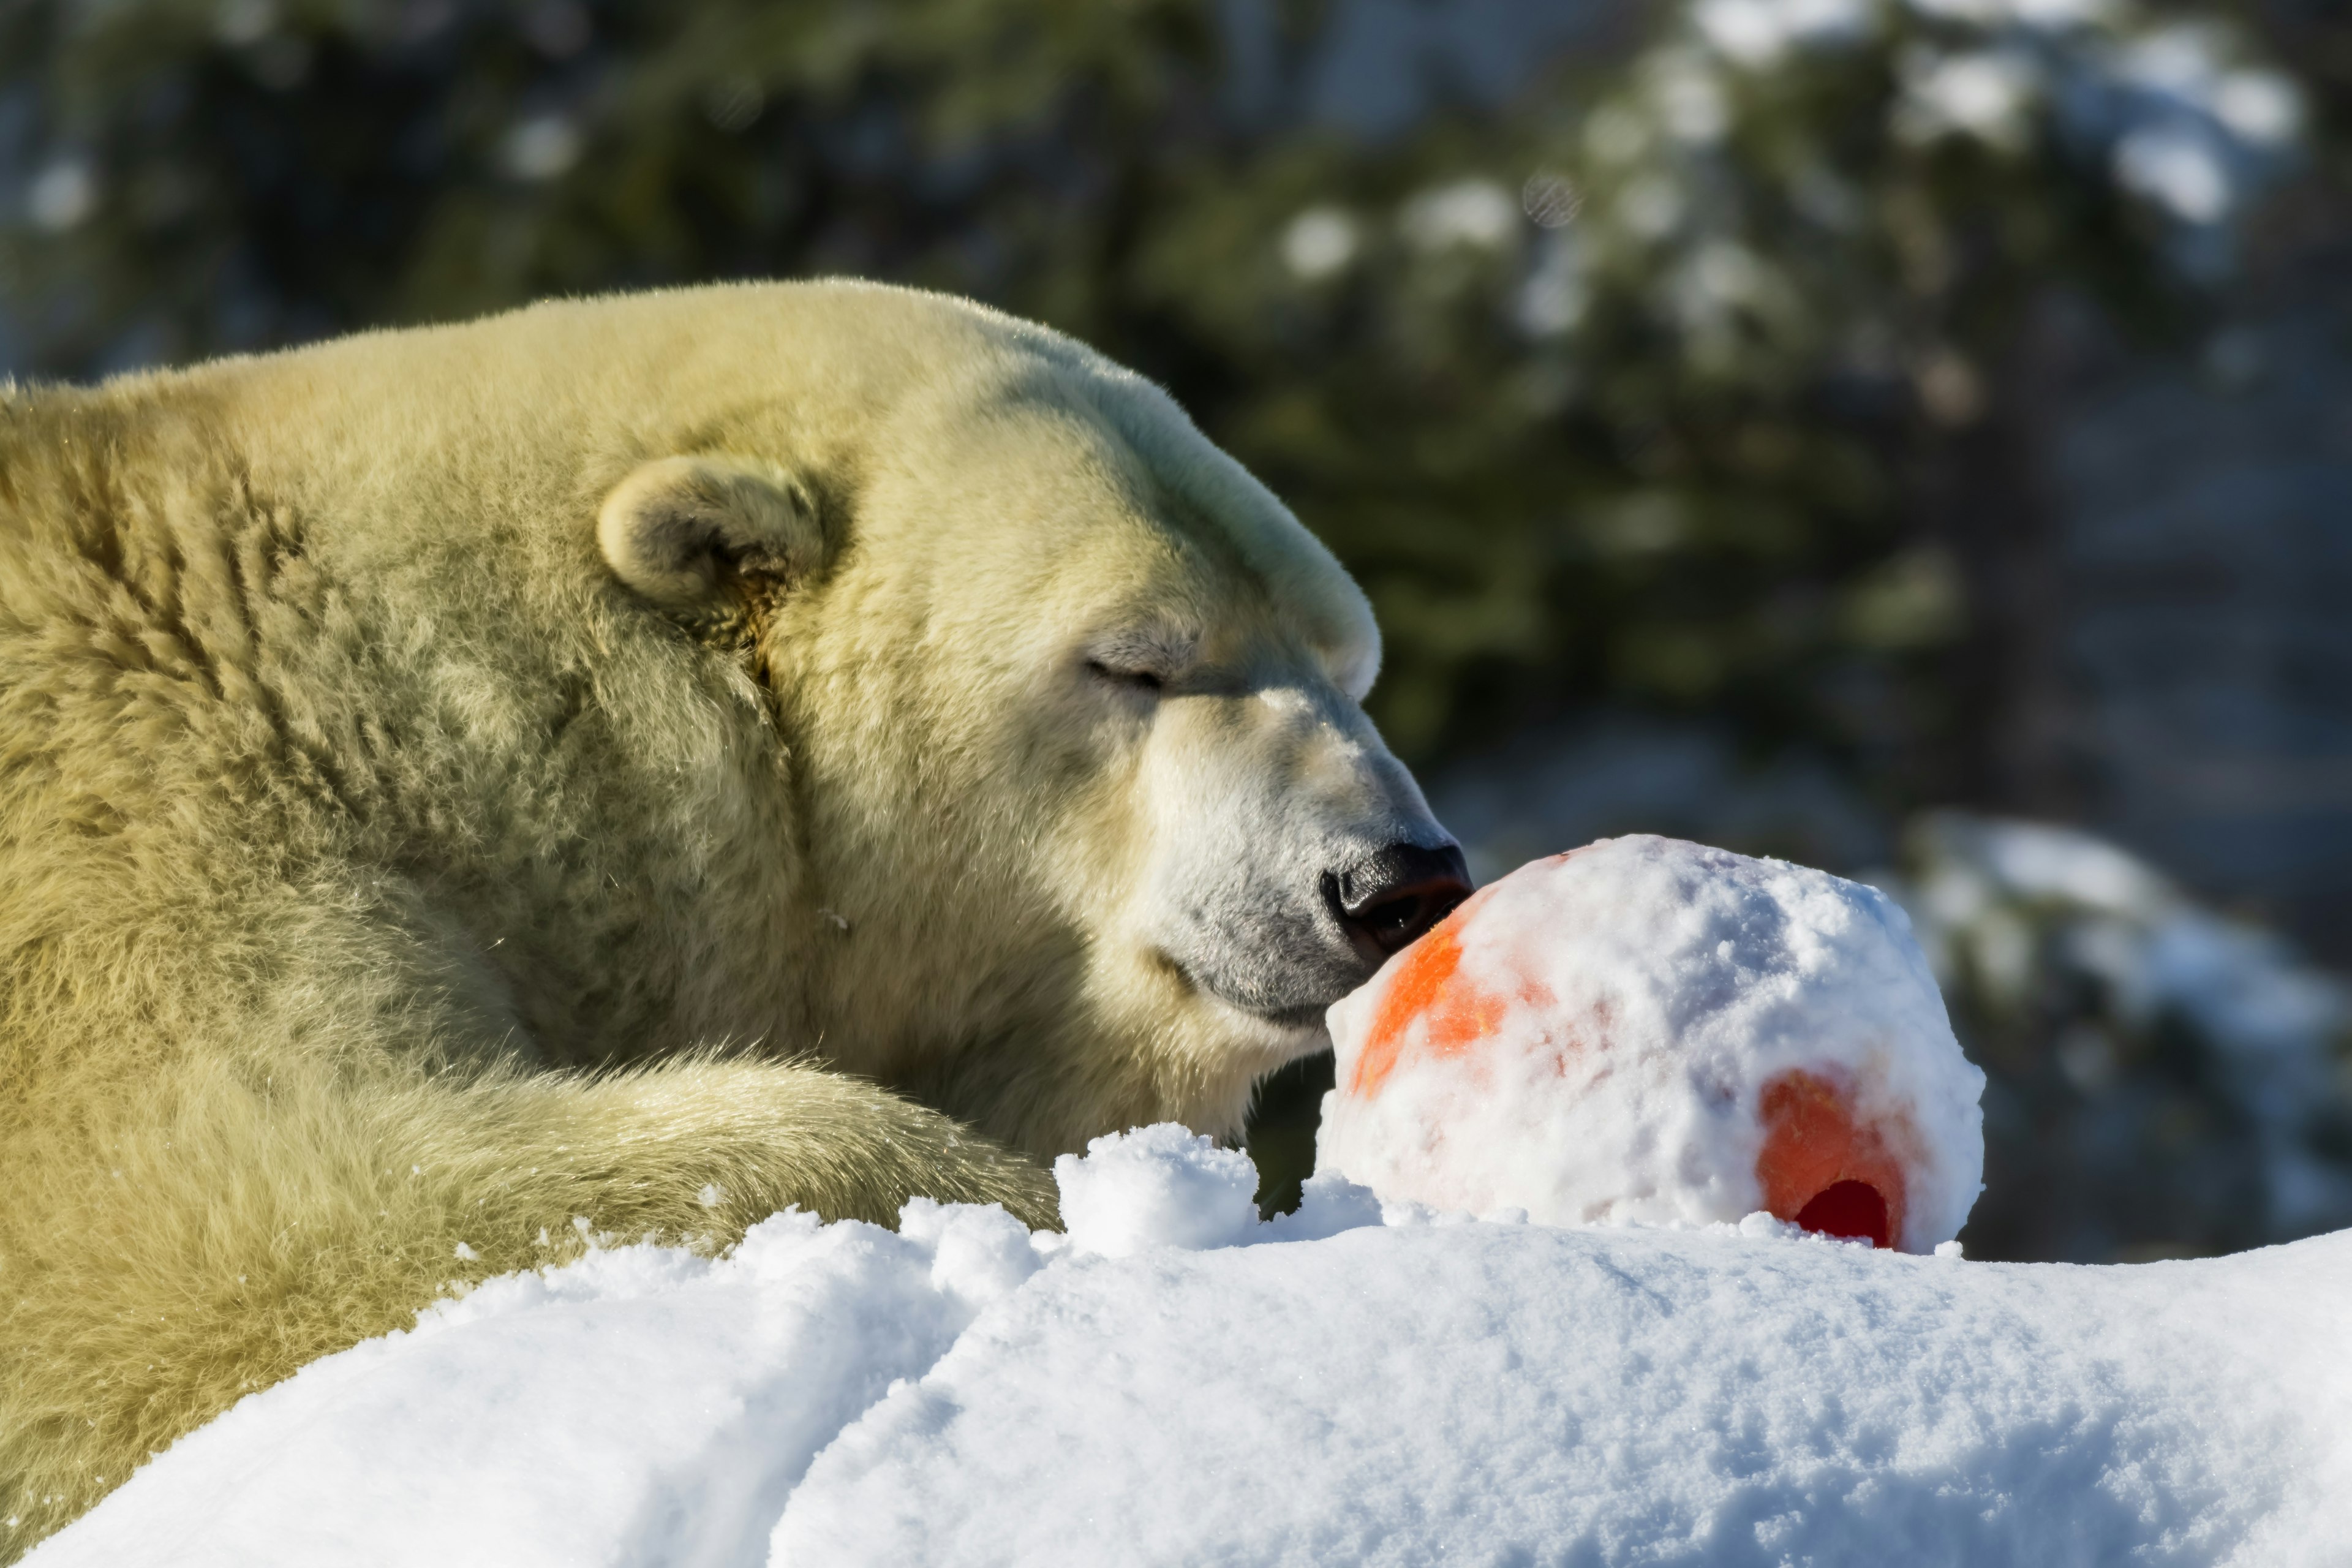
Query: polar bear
[[616, 769]]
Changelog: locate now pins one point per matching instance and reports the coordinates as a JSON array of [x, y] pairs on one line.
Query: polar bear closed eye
[[1155, 700], [644, 763]]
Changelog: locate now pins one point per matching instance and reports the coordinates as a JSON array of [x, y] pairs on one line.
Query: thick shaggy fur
[[409, 878]]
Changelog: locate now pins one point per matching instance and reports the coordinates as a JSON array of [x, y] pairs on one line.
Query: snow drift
[[1175, 1382]]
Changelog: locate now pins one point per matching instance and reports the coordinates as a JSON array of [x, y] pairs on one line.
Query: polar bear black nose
[[1388, 899]]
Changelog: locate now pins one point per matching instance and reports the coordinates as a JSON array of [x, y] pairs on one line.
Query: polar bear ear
[[705, 536]]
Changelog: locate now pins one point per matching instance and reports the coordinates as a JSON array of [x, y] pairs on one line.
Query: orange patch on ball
[[1428, 985], [1824, 1171]]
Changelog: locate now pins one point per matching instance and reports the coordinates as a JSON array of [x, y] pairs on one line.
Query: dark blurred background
[[1910, 435]]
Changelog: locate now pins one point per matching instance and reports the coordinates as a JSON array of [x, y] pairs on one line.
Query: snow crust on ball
[[1650, 1030]]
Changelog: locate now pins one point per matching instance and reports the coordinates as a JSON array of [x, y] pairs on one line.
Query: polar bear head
[[1092, 823]]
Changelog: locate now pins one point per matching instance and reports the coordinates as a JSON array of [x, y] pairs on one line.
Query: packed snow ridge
[[1175, 1382]]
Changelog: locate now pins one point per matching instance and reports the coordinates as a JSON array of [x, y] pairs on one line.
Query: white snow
[[1984, 93], [642, 1404], [2179, 166], [1503, 1394], [1476, 212], [1175, 1382], [1159, 1186], [1758, 33], [1319, 243], [1636, 1030]]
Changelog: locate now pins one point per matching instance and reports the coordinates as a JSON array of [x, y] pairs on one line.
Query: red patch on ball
[[1821, 1169]]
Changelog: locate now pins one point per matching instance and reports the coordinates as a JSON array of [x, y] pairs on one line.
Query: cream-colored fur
[[617, 769]]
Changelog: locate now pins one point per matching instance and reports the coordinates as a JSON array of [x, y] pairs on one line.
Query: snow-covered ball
[[1650, 1030]]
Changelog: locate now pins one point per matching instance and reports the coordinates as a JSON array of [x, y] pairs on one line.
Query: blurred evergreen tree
[[1625, 391], [1695, 379]]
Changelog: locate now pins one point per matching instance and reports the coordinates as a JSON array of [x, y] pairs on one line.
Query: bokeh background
[[1910, 435]]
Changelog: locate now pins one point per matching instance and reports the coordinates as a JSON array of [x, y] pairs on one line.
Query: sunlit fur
[[391, 897]]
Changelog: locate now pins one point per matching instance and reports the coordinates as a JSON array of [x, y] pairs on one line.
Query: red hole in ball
[[1850, 1209]]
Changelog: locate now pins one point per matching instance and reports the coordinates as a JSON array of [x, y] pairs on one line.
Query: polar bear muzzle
[[1386, 901]]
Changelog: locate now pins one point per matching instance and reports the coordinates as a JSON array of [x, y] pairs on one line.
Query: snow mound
[[1325, 1388], [1648, 1029], [1159, 1186], [643, 1404]]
